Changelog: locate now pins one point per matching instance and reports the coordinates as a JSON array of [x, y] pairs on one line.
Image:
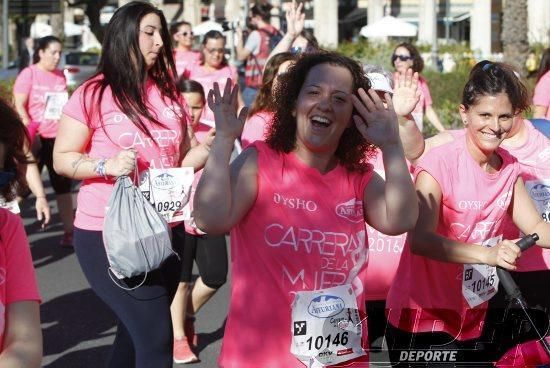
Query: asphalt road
[[78, 328]]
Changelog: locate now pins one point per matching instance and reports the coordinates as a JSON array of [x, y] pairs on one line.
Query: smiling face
[[213, 51], [402, 65], [150, 39], [323, 108], [50, 56], [184, 37], [488, 121]]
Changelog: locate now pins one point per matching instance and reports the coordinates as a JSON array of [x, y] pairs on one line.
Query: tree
[[92, 10], [514, 34]]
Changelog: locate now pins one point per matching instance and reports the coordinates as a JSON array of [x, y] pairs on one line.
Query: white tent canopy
[[389, 26], [202, 28]]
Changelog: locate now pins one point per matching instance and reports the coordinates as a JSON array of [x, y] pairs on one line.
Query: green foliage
[[6, 88], [369, 52]]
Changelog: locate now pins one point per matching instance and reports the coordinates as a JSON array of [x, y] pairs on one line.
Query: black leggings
[[210, 253], [60, 184], [433, 349], [144, 332]]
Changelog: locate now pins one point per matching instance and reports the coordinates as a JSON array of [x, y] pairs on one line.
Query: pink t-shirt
[[534, 162], [120, 133], [207, 78], [38, 84], [255, 128], [541, 95], [427, 294], [384, 252], [423, 103], [201, 131], [17, 278], [184, 59], [305, 231]]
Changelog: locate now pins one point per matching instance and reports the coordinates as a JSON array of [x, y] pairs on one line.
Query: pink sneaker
[[67, 240], [182, 352], [189, 329]]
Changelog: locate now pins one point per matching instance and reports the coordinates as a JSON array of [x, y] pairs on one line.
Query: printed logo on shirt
[[300, 328], [295, 203], [351, 210], [481, 231], [504, 200], [471, 205], [325, 306], [171, 112]]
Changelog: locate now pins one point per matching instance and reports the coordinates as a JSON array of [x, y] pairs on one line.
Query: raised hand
[[405, 92], [376, 122], [295, 19], [228, 123], [123, 163]]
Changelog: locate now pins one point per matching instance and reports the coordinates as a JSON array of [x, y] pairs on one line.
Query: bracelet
[[100, 168]]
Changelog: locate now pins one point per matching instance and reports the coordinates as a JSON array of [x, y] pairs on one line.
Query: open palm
[[405, 92], [228, 122]]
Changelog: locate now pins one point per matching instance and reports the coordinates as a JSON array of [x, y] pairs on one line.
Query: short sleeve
[[23, 82], [427, 95], [20, 277], [76, 106], [253, 42], [541, 97], [433, 164]]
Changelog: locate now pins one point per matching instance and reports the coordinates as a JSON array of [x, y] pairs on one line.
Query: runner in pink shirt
[[541, 96], [407, 56], [465, 187], [184, 55], [261, 112], [128, 117], [20, 332], [40, 91], [213, 68], [296, 206]]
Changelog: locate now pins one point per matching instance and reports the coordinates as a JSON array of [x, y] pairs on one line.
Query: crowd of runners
[[345, 224]]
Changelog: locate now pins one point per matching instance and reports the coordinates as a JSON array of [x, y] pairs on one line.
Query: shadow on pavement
[[88, 358], [74, 318], [46, 250], [205, 339]]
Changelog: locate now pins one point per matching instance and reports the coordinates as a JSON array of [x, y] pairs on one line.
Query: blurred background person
[[184, 55], [26, 54], [406, 56], [541, 97], [40, 92]]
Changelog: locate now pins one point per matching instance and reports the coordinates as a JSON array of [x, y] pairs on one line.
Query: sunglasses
[[400, 57], [185, 34]]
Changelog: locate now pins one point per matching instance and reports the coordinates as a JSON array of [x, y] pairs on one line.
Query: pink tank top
[[305, 231], [427, 294], [255, 128]]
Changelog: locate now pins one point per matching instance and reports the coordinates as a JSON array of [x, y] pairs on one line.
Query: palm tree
[[514, 33]]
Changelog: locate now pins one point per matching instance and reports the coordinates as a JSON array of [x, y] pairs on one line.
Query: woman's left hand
[[43, 213], [405, 92], [376, 122]]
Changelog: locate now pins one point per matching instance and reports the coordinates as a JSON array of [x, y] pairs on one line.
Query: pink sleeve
[[234, 74], [426, 91], [541, 96], [23, 82], [20, 277], [433, 165], [74, 108]]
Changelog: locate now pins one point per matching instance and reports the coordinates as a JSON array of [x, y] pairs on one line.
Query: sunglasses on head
[[400, 57]]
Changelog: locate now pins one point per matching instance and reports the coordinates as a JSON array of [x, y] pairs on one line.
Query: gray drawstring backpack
[[137, 239]]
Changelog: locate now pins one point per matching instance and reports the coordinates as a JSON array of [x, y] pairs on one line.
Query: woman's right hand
[[504, 255], [123, 163], [295, 19], [229, 124]]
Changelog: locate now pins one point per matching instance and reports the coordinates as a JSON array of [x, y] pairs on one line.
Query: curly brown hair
[[14, 138], [353, 150]]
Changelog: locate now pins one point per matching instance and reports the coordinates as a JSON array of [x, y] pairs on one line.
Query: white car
[[78, 66]]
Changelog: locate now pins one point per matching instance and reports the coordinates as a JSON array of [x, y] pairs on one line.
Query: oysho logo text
[[295, 203]]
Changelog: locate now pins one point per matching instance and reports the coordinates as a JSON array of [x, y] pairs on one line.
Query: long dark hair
[[14, 137], [123, 69], [42, 44], [544, 64], [489, 79], [418, 62], [353, 150], [264, 99]]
